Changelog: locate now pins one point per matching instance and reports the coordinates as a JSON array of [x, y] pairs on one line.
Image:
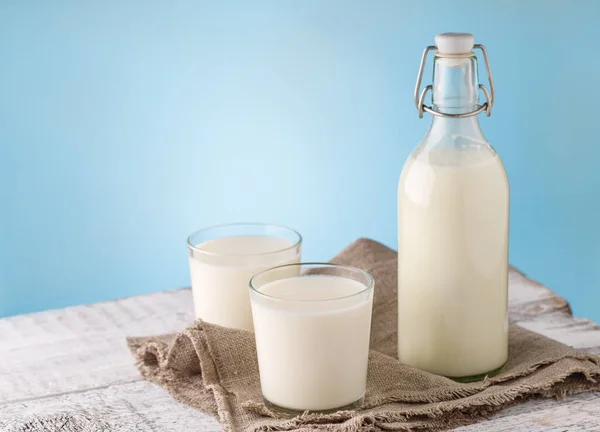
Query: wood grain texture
[[82, 347], [75, 359], [138, 406], [528, 299], [578, 413]]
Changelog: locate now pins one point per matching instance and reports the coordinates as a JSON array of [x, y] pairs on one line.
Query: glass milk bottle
[[453, 207]]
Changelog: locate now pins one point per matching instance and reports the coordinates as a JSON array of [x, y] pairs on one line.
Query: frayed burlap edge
[[436, 417]]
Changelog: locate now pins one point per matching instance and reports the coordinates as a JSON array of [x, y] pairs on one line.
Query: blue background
[[124, 126]]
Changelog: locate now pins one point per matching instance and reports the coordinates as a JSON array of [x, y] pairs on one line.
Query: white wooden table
[[76, 359]]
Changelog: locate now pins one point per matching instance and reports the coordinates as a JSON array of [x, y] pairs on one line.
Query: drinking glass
[[223, 259], [312, 324]]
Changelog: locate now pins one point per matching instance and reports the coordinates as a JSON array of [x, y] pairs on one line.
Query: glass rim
[[195, 248], [367, 287]]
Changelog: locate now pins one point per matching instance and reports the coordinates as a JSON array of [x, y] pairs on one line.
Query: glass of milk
[[312, 335], [223, 259]]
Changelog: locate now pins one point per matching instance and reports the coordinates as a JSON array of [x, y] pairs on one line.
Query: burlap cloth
[[215, 369]]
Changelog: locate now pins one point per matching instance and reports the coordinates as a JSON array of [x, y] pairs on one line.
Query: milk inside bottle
[[453, 217]]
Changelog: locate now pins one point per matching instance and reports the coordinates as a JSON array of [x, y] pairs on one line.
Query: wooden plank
[[528, 298], [580, 333], [82, 347], [139, 406], [577, 413]]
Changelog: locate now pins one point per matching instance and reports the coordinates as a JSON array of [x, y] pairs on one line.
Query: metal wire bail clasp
[[420, 95]]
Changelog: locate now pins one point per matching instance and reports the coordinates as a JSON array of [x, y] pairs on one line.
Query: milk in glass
[[312, 341], [221, 269]]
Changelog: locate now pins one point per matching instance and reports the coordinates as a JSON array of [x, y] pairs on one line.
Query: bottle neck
[[455, 84], [455, 91]]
